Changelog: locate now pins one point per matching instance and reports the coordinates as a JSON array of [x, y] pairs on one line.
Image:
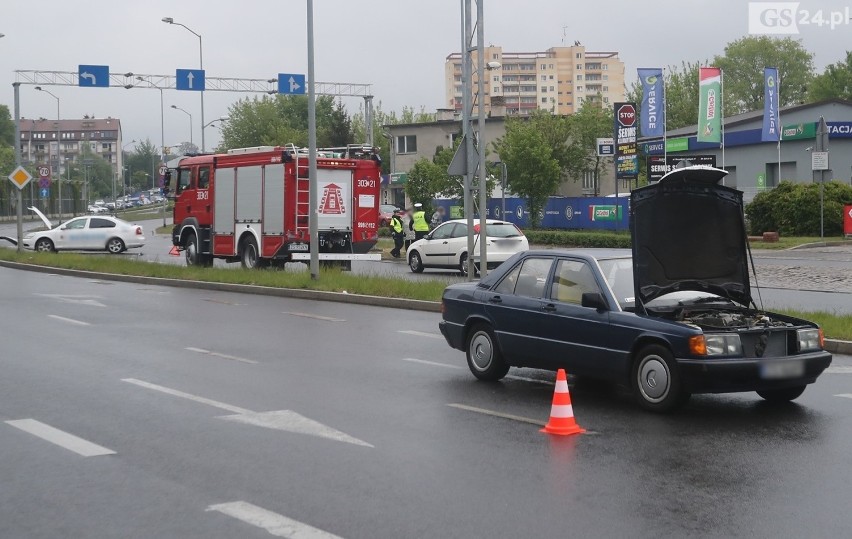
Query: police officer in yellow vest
[[418, 222], [397, 233]]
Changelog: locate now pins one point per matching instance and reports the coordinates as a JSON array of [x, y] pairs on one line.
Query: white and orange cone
[[561, 412]]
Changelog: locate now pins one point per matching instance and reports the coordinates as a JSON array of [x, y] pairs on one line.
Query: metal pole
[[162, 129], [201, 63], [480, 88], [368, 117], [313, 226], [503, 189], [20, 197], [468, 136]]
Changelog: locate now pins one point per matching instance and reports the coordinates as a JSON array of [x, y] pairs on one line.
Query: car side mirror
[[594, 300]]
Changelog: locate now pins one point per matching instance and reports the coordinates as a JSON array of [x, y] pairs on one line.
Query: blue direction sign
[[45, 192], [190, 79], [291, 83], [95, 76]]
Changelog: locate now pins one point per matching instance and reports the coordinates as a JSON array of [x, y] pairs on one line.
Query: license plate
[[782, 369], [298, 246]]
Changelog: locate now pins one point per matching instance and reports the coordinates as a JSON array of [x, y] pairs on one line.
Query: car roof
[[587, 253], [487, 221]]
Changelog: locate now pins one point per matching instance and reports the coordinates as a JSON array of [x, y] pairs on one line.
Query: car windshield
[[502, 230], [618, 273], [387, 208]]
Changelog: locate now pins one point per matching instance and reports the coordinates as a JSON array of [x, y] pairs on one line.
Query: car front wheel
[[415, 262], [656, 381], [782, 395], [483, 354], [44, 245]]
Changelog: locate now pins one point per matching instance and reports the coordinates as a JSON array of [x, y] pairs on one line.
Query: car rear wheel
[[483, 354], [415, 262], [782, 395], [656, 381], [115, 246], [44, 245]]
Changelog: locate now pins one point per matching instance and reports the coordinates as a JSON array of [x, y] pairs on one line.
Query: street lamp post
[[170, 20], [123, 168], [58, 161], [190, 123], [502, 188]]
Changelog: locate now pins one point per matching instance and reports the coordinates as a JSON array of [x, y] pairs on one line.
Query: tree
[[145, 157], [340, 127], [834, 83], [742, 67], [588, 124], [422, 184], [7, 127], [533, 153]]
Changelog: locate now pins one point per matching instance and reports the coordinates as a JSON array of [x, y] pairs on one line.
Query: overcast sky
[[397, 46]]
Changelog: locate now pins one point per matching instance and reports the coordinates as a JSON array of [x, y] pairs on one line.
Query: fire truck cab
[[251, 205]]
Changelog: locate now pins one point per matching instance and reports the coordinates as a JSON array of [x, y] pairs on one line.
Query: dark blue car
[[673, 317]]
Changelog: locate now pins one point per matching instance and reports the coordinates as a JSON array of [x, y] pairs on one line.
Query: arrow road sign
[[291, 83], [190, 79], [93, 76]]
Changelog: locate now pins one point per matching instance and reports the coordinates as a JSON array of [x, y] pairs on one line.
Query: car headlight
[[723, 344], [809, 339], [29, 236]]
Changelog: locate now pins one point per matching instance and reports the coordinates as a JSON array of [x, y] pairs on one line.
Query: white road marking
[[60, 438], [89, 300], [496, 414], [421, 333], [433, 363], [290, 421], [69, 320], [275, 524], [316, 316], [846, 395], [181, 394], [839, 369], [223, 356], [285, 420]]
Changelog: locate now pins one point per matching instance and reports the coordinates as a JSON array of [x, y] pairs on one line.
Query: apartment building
[[55, 142], [558, 80]]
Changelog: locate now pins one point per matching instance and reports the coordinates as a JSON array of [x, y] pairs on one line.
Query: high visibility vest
[[420, 224], [396, 224]]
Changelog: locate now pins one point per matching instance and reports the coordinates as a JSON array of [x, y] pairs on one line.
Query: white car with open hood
[[85, 233]]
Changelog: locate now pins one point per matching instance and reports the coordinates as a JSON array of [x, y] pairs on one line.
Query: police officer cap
[[418, 205]]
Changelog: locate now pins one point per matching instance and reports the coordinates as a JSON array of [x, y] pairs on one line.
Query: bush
[[792, 209], [573, 238]]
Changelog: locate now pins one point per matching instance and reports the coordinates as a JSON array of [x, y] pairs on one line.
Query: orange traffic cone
[[562, 413], [174, 251]]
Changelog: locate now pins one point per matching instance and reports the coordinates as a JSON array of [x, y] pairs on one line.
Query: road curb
[[838, 347], [319, 295]]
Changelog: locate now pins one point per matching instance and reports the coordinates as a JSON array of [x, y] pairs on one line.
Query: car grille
[[765, 343]]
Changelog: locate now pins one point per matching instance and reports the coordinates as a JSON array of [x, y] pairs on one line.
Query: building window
[[579, 77], [589, 180], [551, 77], [606, 100], [544, 77], [605, 67], [496, 89], [494, 57], [551, 88], [544, 100], [544, 88], [579, 55], [406, 144], [606, 88], [579, 66], [579, 88], [550, 66]]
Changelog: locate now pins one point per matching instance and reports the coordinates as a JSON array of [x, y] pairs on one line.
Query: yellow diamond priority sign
[[20, 177]]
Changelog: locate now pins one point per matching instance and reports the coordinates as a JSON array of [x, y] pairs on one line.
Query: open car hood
[[46, 221], [688, 233]]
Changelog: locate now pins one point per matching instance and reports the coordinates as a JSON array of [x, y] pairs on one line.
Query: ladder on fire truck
[[303, 184]]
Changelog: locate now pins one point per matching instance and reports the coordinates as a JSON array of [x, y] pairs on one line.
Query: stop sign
[[626, 115]]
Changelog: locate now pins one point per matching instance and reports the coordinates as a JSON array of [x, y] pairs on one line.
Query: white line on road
[[69, 320], [433, 363], [316, 316], [421, 333], [223, 356], [275, 524], [839, 369], [846, 395], [181, 394], [496, 414], [60, 438]]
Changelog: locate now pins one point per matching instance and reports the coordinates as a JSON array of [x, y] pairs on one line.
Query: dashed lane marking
[[273, 523], [421, 333], [316, 316], [496, 414], [223, 356], [69, 320], [61, 438], [433, 363], [285, 420]]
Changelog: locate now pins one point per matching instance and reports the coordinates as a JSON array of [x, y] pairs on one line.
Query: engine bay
[[721, 319]]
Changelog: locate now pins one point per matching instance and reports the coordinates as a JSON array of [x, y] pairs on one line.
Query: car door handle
[[549, 307], [446, 242], [495, 299]]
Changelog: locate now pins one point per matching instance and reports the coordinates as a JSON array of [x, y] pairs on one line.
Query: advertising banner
[[652, 121], [657, 168], [770, 105], [626, 158], [709, 104]]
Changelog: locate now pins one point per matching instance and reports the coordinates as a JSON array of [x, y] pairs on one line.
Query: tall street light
[[162, 124], [170, 20], [58, 160], [123, 167], [190, 123]]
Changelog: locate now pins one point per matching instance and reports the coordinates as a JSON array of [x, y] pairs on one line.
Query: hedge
[[574, 238], [792, 209]]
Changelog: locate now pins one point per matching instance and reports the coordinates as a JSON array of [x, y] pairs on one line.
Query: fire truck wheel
[[191, 251], [249, 255]]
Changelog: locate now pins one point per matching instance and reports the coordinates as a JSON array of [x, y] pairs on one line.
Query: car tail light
[[697, 345], [138, 230]]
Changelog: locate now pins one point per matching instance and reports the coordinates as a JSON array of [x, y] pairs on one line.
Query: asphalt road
[[228, 415]]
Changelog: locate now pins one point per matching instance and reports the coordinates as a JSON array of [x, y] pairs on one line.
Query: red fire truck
[[252, 205]]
